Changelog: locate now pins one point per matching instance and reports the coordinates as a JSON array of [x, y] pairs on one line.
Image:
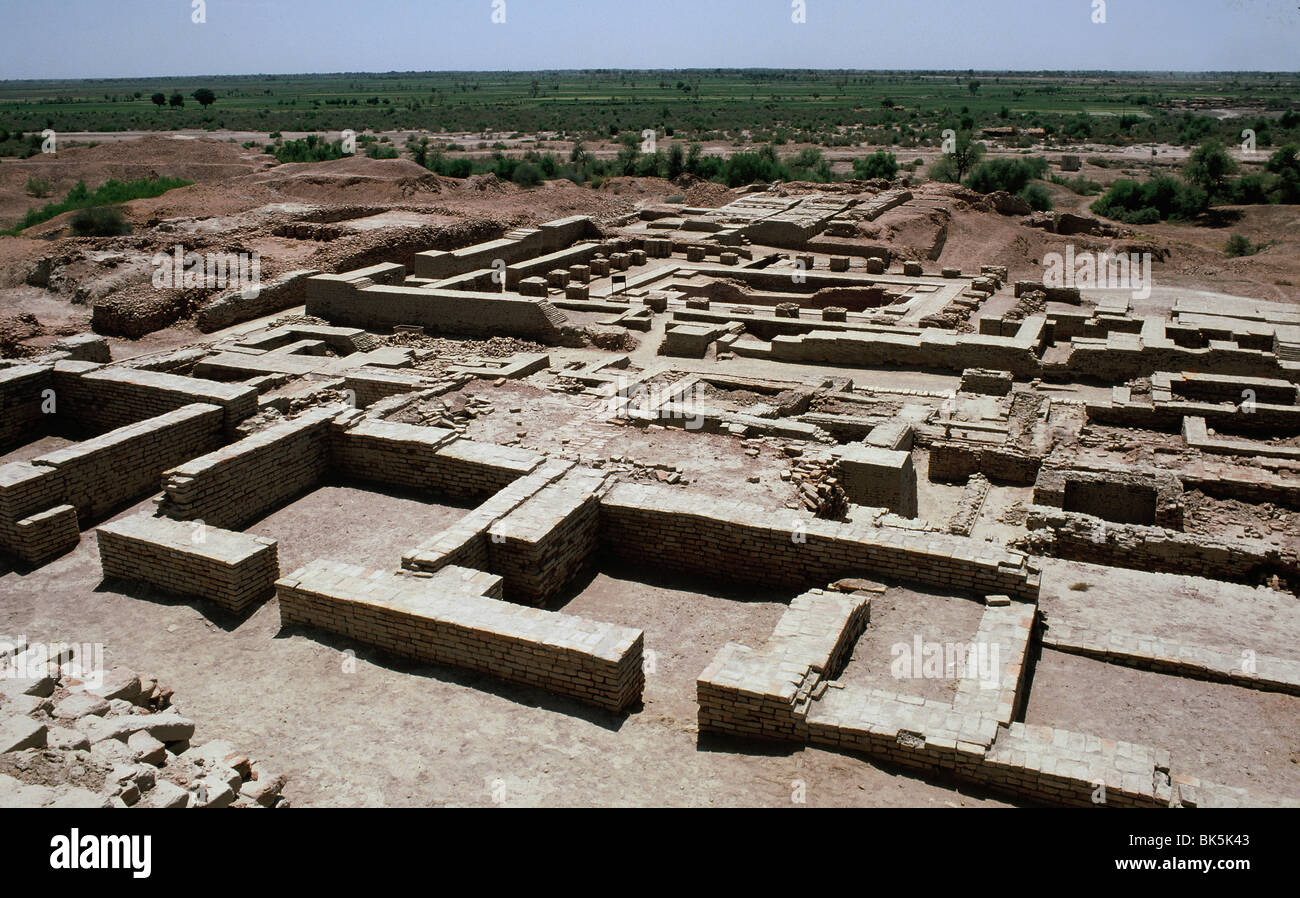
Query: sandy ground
[[398, 734], [897, 618], [1228, 616], [1224, 734]]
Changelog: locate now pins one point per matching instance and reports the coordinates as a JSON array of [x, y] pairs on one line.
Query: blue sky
[[112, 38]]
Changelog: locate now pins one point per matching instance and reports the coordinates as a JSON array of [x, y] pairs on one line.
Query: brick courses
[[234, 570], [446, 619]]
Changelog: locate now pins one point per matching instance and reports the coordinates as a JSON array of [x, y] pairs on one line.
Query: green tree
[[177, 100], [204, 97], [1285, 163], [880, 164], [1209, 167], [955, 165], [159, 99]]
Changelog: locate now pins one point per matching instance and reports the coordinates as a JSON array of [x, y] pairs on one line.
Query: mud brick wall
[[1148, 496], [470, 470], [1061, 767], [428, 458], [370, 386], [43, 536], [550, 539], [443, 311], [234, 570], [446, 620], [94, 478], [387, 452], [103, 474], [1118, 364], [1147, 652], [985, 382], [21, 393], [760, 693], [926, 350], [25, 490], [682, 530], [956, 462], [465, 543], [1084, 538], [104, 398], [238, 305], [239, 483]]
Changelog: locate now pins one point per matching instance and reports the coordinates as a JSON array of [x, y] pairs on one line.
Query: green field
[[829, 108]]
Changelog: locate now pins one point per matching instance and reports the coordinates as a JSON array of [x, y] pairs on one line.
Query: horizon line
[[965, 71]]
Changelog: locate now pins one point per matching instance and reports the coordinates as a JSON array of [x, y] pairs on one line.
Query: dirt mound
[[201, 160], [352, 179]]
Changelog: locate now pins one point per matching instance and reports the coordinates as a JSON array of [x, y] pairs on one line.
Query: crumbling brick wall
[[727, 540]]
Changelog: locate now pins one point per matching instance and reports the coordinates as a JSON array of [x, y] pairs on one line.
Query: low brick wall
[[445, 619], [234, 306], [956, 462], [550, 539], [239, 483], [429, 458], [1081, 537], [465, 543], [1263, 672], [686, 531], [234, 570], [104, 398], [21, 395], [44, 536], [462, 312], [95, 478], [103, 474], [759, 693]]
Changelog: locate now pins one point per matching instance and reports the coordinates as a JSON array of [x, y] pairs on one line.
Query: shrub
[[1162, 196], [1238, 245], [526, 174], [99, 221], [38, 187], [880, 164], [1011, 175], [1036, 196]]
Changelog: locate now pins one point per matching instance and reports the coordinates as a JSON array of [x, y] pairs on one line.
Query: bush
[[1011, 175], [526, 174], [1157, 199], [99, 221], [1079, 185], [38, 187], [1036, 196], [1238, 245], [880, 164]]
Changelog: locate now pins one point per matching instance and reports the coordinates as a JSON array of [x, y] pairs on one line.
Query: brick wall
[[239, 483], [95, 478], [550, 539], [465, 543], [21, 389], [105, 473], [428, 458], [686, 531], [104, 398], [446, 619], [1085, 538], [234, 570]]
